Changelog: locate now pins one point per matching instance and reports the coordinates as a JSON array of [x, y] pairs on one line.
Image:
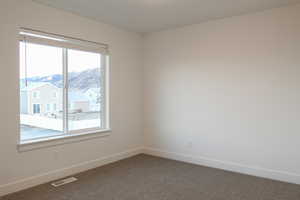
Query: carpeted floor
[[146, 177]]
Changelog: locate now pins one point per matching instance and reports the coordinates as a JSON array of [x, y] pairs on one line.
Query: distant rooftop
[[34, 85], [73, 96]]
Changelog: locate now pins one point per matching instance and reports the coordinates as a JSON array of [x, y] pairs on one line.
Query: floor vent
[[64, 181]]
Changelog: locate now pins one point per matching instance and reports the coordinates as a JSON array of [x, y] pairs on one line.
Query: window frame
[[105, 107]]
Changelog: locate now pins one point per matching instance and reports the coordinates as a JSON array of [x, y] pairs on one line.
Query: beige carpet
[[150, 178]]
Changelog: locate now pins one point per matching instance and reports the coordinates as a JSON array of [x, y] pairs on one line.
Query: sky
[[47, 60]]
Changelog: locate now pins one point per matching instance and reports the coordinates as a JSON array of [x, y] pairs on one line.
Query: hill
[[77, 80]]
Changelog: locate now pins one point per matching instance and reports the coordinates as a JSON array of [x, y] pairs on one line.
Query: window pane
[[84, 90], [40, 77]]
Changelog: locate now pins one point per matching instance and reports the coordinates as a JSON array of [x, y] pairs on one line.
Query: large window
[[63, 86]]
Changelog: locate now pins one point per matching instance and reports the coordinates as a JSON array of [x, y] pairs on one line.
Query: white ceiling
[[153, 15]]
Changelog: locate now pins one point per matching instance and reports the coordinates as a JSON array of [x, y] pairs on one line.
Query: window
[[54, 107], [36, 95], [36, 108], [60, 71], [48, 107]]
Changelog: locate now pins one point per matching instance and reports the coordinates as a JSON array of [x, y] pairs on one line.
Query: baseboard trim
[[61, 173], [228, 166], [225, 165]]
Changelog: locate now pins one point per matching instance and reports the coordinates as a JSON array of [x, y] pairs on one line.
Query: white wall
[[226, 93], [126, 95], [223, 93]]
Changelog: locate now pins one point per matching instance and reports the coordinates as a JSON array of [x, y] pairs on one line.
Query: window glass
[[84, 81], [40, 76], [62, 90]]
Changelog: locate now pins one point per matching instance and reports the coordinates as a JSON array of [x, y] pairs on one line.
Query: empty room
[[150, 100]]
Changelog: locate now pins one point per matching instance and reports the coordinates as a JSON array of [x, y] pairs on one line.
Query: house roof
[[35, 85], [73, 96]]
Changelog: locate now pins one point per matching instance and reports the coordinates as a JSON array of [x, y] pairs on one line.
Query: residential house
[[44, 98], [40, 98], [78, 102], [93, 94]]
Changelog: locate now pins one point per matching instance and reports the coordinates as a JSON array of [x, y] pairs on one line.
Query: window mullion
[[104, 92], [65, 90], [106, 97]]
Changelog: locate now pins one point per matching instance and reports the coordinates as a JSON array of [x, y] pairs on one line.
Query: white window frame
[[37, 37]]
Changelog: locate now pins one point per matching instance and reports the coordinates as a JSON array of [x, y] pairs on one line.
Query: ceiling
[[153, 15]]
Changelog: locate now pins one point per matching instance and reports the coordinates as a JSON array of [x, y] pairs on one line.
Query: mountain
[[77, 80], [85, 79]]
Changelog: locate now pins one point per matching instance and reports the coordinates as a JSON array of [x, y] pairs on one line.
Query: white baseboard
[[229, 166], [61, 173]]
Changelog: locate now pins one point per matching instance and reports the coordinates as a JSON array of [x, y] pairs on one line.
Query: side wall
[[226, 93], [21, 170]]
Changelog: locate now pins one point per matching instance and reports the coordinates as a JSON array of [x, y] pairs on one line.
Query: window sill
[[29, 145]]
